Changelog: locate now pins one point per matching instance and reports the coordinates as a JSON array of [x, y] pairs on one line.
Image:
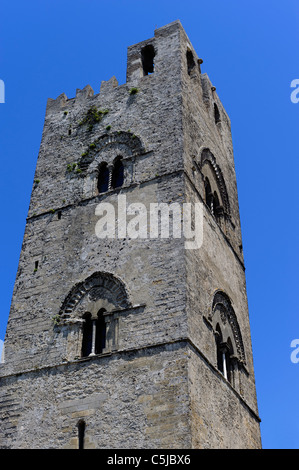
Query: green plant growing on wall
[[71, 167], [93, 116], [56, 319]]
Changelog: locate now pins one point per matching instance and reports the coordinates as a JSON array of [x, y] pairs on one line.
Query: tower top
[[164, 53]]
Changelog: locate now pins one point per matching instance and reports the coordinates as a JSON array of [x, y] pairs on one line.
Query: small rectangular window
[[147, 57]]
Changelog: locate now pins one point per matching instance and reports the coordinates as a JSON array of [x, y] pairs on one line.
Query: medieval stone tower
[[132, 342]]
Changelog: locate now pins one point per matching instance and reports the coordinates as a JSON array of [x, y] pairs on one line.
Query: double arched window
[[229, 348], [215, 192], [212, 200], [110, 177]]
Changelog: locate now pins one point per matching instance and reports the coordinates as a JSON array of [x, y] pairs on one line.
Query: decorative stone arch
[[89, 315], [122, 142], [101, 290], [210, 169], [222, 313], [107, 149]]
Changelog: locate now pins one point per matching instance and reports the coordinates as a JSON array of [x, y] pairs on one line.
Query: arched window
[[103, 178], [87, 335], [147, 58], [229, 347], [215, 192], [117, 173]]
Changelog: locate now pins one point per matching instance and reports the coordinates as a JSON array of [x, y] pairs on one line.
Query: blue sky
[[250, 52]]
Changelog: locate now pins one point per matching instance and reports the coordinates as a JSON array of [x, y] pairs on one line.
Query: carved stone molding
[[223, 305], [127, 140], [208, 157], [98, 285]]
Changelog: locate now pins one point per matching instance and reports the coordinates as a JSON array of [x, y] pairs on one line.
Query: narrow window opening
[[103, 179], [218, 348], [216, 113], [70, 131], [147, 58], [59, 215], [228, 360], [117, 174], [224, 353], [87, 335], [81, 434], [208, 194], [190, 62], [36, 266], [100, 339], [216, 206]]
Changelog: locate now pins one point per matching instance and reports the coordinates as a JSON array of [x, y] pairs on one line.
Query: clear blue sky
[[250, 52]]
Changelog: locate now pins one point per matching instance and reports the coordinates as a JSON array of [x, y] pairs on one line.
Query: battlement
[[167, 53]]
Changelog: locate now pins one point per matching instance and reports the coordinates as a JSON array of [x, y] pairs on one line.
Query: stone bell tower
[[132, 342]]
